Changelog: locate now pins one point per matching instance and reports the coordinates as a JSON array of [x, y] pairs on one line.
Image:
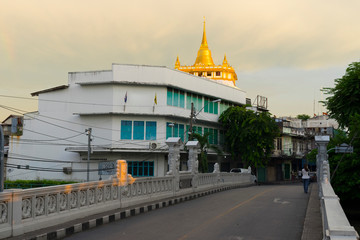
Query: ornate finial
[[204, 41], [177, 63], [225, 62], [204, 53]]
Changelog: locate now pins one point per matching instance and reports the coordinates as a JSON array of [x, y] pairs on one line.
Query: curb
[[312, 229]]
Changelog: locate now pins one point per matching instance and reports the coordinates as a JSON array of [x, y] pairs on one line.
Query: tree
[[343, 104], [345, 168], [204, 145], [249, 136], [303, 117], [344, 101]]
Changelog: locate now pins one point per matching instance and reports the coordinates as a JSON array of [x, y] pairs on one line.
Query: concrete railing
[[335, 223], [22, 211]]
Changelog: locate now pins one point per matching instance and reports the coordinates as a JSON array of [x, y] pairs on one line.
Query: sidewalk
[[313, 223]]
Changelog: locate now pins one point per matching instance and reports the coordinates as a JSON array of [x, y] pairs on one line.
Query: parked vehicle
[[244, 170], [239, 170]]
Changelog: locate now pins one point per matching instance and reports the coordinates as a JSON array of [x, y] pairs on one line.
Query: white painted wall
[[96, 100]]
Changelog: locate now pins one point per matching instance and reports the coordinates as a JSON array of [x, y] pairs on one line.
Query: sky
[[283, 50]]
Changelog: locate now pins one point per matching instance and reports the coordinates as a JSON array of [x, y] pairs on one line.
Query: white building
[[131, 110]]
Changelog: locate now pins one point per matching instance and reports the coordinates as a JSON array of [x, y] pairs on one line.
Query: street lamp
[[193, 115], [172, 128]]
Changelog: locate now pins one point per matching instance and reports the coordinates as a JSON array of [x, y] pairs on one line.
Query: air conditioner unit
[[67, 170], [153, 145]]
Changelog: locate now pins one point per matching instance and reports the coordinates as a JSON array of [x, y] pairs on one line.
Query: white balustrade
[[22, 211], [335, 222]]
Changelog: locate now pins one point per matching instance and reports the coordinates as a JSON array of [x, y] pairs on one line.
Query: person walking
[[305, 177]]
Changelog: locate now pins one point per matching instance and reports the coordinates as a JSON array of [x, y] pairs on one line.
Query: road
[[258, 212]]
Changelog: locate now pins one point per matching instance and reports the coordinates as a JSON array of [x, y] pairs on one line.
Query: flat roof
[[49, 90]]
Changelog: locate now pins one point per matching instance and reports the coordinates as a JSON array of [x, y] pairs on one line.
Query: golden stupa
[[204, 66]]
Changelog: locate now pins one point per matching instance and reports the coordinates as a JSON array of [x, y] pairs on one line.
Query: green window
[[126, 128], [188, 100], [216, 137], [199, 102], [181, 131], [199, 130], [138, 130], [169, 97], [211, 136], [194, 100], [176, 130], [216, 108], [176, 98], [169, 130], [182, 99], [206, 105], [150, 130], [141, 168], [211, 107]]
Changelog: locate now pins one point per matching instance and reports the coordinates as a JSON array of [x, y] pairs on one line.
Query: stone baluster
[[174, 144], [321, 158], [193, 163]]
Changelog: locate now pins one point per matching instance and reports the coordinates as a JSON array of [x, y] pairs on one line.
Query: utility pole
[[192, 115], [88, 132], [1, 159]]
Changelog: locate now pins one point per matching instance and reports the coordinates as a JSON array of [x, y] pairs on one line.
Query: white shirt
[[305, 174]]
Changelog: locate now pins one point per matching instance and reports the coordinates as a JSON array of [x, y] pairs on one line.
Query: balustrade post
[[193, 163], [174, 144], [15, 212], [322, 167], [217, 172]]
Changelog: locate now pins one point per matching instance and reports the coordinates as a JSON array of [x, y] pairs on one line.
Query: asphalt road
[[258, 212]]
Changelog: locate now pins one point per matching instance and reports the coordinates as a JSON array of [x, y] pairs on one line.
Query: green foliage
[[249, 136], [33, 183], [303, 117], [344, 101], [204, 144], [311, 156], [346, 179], [343, 105]]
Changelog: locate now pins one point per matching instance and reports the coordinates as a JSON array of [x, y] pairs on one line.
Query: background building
[[131, 111], [295, 142]]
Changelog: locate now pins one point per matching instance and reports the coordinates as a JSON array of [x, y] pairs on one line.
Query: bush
[[23, 184]]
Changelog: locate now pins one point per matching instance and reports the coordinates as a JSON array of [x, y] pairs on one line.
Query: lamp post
[[193, 115], [172, 129], [88, 132]]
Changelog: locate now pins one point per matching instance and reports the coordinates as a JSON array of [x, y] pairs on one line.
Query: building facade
[[131, 110], [295, 142]]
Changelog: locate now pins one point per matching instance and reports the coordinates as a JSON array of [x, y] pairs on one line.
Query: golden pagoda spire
[[225, 62], [204, 40], [177, 63], [204, 53]]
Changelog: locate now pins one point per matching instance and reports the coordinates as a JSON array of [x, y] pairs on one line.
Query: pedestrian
[[305, 177]]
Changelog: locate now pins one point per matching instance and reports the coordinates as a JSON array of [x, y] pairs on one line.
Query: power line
[[32, 168]]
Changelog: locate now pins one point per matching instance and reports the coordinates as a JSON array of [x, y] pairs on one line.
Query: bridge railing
[[335, 223], [23, 211]]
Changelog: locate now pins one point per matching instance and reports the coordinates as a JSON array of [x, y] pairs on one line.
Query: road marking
[[198, 228], [278, 200]]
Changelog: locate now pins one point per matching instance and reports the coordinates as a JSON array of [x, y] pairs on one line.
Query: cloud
[[273, 45]]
